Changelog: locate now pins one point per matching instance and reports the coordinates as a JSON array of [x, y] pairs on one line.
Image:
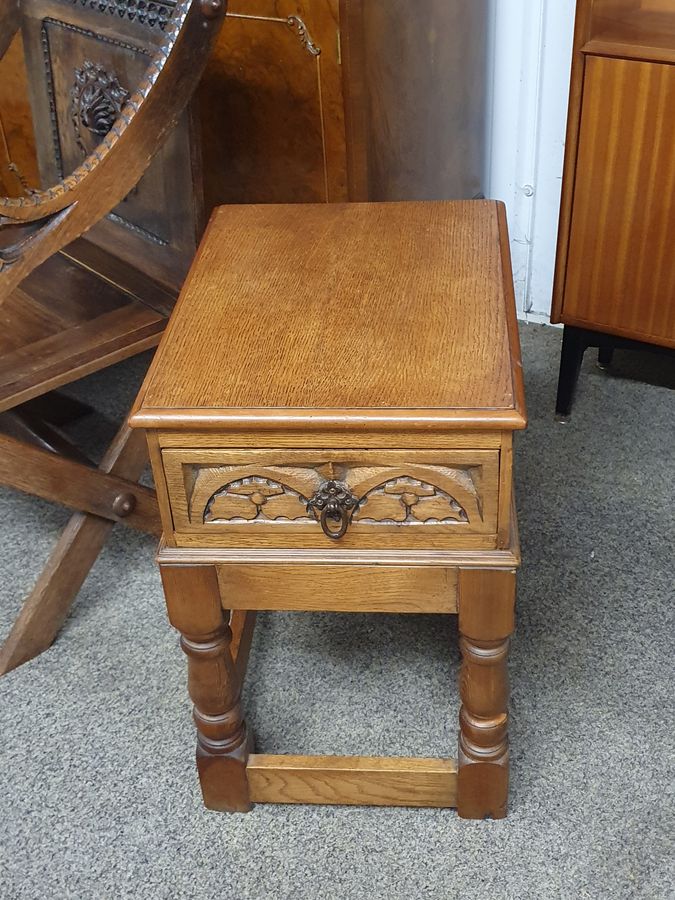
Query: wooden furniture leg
[[605, 357], [47, 606], [486, 619], [575, 343], [194, 607], [571, 357]]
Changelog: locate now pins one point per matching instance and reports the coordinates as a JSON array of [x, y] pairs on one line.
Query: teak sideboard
[[330, 419], [615, 271]]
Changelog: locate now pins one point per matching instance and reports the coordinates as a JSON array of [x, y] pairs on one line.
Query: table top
[[359, 315]]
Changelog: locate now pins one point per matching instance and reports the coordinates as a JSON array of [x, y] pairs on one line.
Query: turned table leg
[[193, 602], [486, 609]]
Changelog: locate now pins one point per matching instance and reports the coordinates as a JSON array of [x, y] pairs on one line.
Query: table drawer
[[329, 498]]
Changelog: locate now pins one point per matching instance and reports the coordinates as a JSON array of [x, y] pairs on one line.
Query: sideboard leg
[[486, 609], [605, 357], [571, 357], [193, 602]]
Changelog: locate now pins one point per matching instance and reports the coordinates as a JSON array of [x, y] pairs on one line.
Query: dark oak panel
[[392, 107]]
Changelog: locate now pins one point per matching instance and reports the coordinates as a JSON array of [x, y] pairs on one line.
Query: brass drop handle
[[333, 502], [336, 514]]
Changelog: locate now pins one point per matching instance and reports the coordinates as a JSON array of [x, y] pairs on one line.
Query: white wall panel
[[531, 43]]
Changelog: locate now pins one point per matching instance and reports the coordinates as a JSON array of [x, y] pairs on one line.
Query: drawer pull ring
[[333, 502]]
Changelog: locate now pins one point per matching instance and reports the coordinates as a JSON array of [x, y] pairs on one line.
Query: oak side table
[[330, 419]]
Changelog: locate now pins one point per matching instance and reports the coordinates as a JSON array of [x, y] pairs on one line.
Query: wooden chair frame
[[34, 456]]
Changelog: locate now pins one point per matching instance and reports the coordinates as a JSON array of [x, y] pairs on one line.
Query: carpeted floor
[[98, 794]]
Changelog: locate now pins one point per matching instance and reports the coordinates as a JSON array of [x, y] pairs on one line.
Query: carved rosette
[[97, 98]]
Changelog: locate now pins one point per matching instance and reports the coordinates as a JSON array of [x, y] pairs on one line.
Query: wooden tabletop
[[343, 313]]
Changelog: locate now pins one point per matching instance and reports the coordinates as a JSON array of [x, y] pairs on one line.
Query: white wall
[[531, 50]]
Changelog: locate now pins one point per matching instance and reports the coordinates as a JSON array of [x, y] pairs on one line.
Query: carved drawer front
[[344, 499]]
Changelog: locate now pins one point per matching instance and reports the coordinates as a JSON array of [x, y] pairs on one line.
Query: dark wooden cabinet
[[615, 274]]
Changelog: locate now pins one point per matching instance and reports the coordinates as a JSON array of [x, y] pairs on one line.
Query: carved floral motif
[[97, 98], [397, 501], [407, 501], [256, 499], [173, 28]]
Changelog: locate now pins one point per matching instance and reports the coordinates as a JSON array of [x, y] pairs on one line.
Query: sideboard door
[[621, 266]]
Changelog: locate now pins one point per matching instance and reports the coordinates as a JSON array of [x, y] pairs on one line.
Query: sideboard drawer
[[355, 499]]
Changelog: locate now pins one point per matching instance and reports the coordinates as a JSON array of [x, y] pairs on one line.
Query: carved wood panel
[[395, 499], [84, 58], [440, 492]]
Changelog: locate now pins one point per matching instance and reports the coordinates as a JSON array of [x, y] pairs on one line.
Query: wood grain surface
[[283, 105], [274, 438], [633, 29], [620, 269], [362, 589], [500, 559], [486, 601], [415, 97], [382, 307], [60, 480], [353, 781], [18, 161], [582, 32], [614, 272], [48, 341]]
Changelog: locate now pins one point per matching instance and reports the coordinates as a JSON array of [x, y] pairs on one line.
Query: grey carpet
[[98, 794]]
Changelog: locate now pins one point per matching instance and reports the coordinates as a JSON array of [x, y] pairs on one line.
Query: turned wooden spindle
[[486, 604], [193, 603]]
